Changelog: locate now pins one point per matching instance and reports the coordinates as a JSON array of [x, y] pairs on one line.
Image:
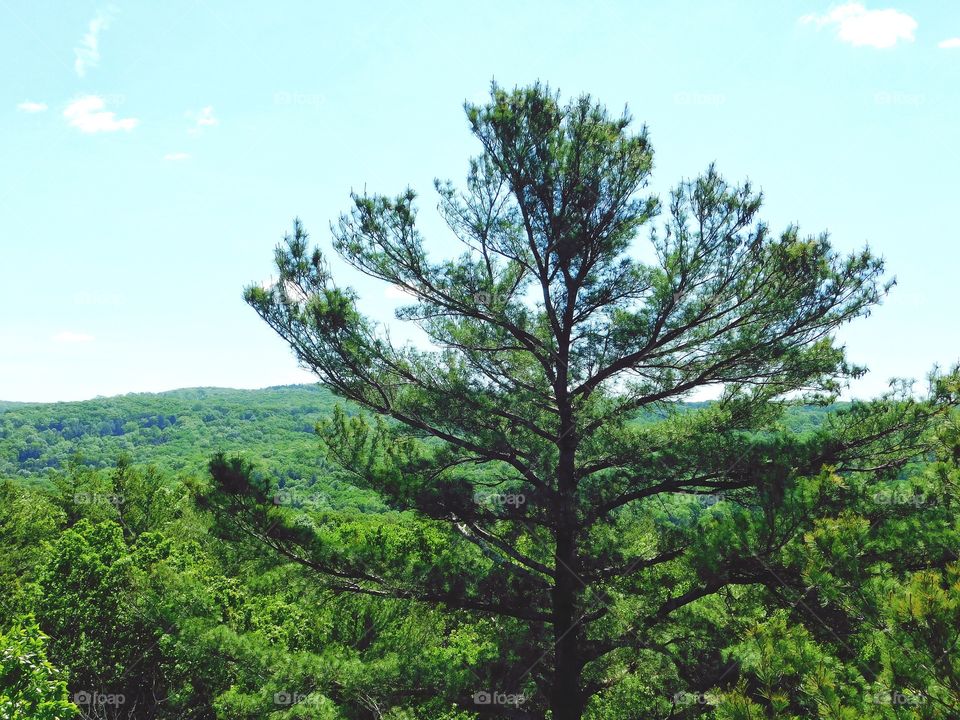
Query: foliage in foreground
[[31, 688], [178, 613]]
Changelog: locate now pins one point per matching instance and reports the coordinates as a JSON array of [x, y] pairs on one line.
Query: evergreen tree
[[539, 443]]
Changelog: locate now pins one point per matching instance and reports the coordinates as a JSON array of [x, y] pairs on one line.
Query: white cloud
[[949, 44], [28, 106], [203, 118], [89, 116], [87, 54], [206, 117], [857, 26], [72, 337], [177, 156], [292, 291]]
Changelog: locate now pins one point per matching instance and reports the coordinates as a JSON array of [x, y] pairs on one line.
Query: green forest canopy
[[230, 631]]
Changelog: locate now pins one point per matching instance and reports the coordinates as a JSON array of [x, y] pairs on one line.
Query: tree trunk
[[566, 697]]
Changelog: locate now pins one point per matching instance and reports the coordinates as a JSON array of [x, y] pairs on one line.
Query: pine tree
[[559, 482]]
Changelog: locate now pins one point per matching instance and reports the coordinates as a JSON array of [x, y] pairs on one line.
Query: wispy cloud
[[949, 43], [70, 337], [206, 117], [88, 115], [293, 291], [202, 118], [28, 106], [857, 26], [177, 156], [87, 53]]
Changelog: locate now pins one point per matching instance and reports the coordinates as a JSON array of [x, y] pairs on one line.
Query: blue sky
[[154, 153]]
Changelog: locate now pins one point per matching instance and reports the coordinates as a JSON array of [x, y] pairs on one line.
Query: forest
[[533, 517], [160, 608]]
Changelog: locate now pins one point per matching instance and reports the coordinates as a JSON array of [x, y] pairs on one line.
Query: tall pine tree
[[560, 484]]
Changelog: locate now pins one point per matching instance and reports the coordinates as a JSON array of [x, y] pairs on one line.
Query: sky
[[153, 154]]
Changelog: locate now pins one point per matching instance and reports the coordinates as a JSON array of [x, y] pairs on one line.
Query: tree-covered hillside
[[176, 430], [179, 430]]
